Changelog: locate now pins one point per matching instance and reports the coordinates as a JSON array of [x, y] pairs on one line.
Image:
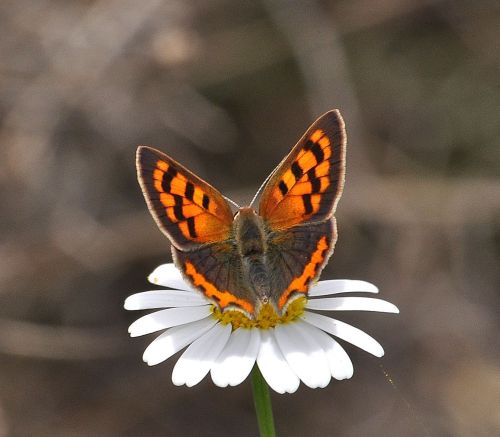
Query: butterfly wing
[[297, 205], [188, 210], [308, 183], [296, 257], [216, 270], [198, 221]]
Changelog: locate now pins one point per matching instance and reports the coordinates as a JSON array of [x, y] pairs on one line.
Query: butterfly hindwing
[[296, 257], [187, 209], [216, 270], [308, 183]]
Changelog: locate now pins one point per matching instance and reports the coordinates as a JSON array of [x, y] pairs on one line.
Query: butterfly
[[243, 260]]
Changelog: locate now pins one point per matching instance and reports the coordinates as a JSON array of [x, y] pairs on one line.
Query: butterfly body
[[253, 257], [251, 241]]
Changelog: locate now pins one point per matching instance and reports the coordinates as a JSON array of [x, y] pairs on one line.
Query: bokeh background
[[227, 88]]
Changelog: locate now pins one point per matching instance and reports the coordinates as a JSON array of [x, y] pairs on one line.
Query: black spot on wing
[[189, 191], [191, 227], [283, 187], [318, 153], [297, 170], [315, 182], [206, 201], [179, 215], [167, 179], [306, 198]]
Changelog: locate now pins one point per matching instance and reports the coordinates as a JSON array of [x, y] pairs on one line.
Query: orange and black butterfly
[[243, 260]]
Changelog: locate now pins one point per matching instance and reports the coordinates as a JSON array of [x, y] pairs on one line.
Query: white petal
[[167, 318], [273, 365], [338, 360], [170, 276], [336, 286], [235, 362], [345, 331], [198, 358], [352, 304], [175, 339], [164, 299], [304, 355]]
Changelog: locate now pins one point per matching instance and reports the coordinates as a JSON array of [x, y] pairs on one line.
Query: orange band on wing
[[162, 165], [316, 135], [301, 283], [223, 298]]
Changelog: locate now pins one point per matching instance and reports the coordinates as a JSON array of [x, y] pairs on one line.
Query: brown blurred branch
[[403, 202], [315, 43], [60, 343]]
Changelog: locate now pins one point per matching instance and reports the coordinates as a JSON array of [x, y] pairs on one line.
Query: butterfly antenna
[[264, 184], [232, 202]]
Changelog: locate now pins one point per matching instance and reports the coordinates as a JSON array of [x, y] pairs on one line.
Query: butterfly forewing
[[308, 183], [187, 209]]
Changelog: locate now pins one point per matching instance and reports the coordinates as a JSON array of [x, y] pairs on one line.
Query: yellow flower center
[[265, 319]]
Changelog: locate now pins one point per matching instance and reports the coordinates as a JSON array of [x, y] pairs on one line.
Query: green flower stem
[[262, 401]]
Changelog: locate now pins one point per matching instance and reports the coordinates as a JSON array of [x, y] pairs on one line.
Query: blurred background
[[227, 88]]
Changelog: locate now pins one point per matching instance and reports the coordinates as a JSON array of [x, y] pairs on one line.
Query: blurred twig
[[62, 343], [438, 203], [315, 43]]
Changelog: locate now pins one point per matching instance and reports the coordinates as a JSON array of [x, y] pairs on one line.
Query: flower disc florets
[[265, 319]]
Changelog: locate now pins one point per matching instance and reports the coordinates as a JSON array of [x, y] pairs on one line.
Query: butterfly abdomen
[[256, 270], [251, 242]]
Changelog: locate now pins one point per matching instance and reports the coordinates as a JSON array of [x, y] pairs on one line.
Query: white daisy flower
[[297, 346]]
